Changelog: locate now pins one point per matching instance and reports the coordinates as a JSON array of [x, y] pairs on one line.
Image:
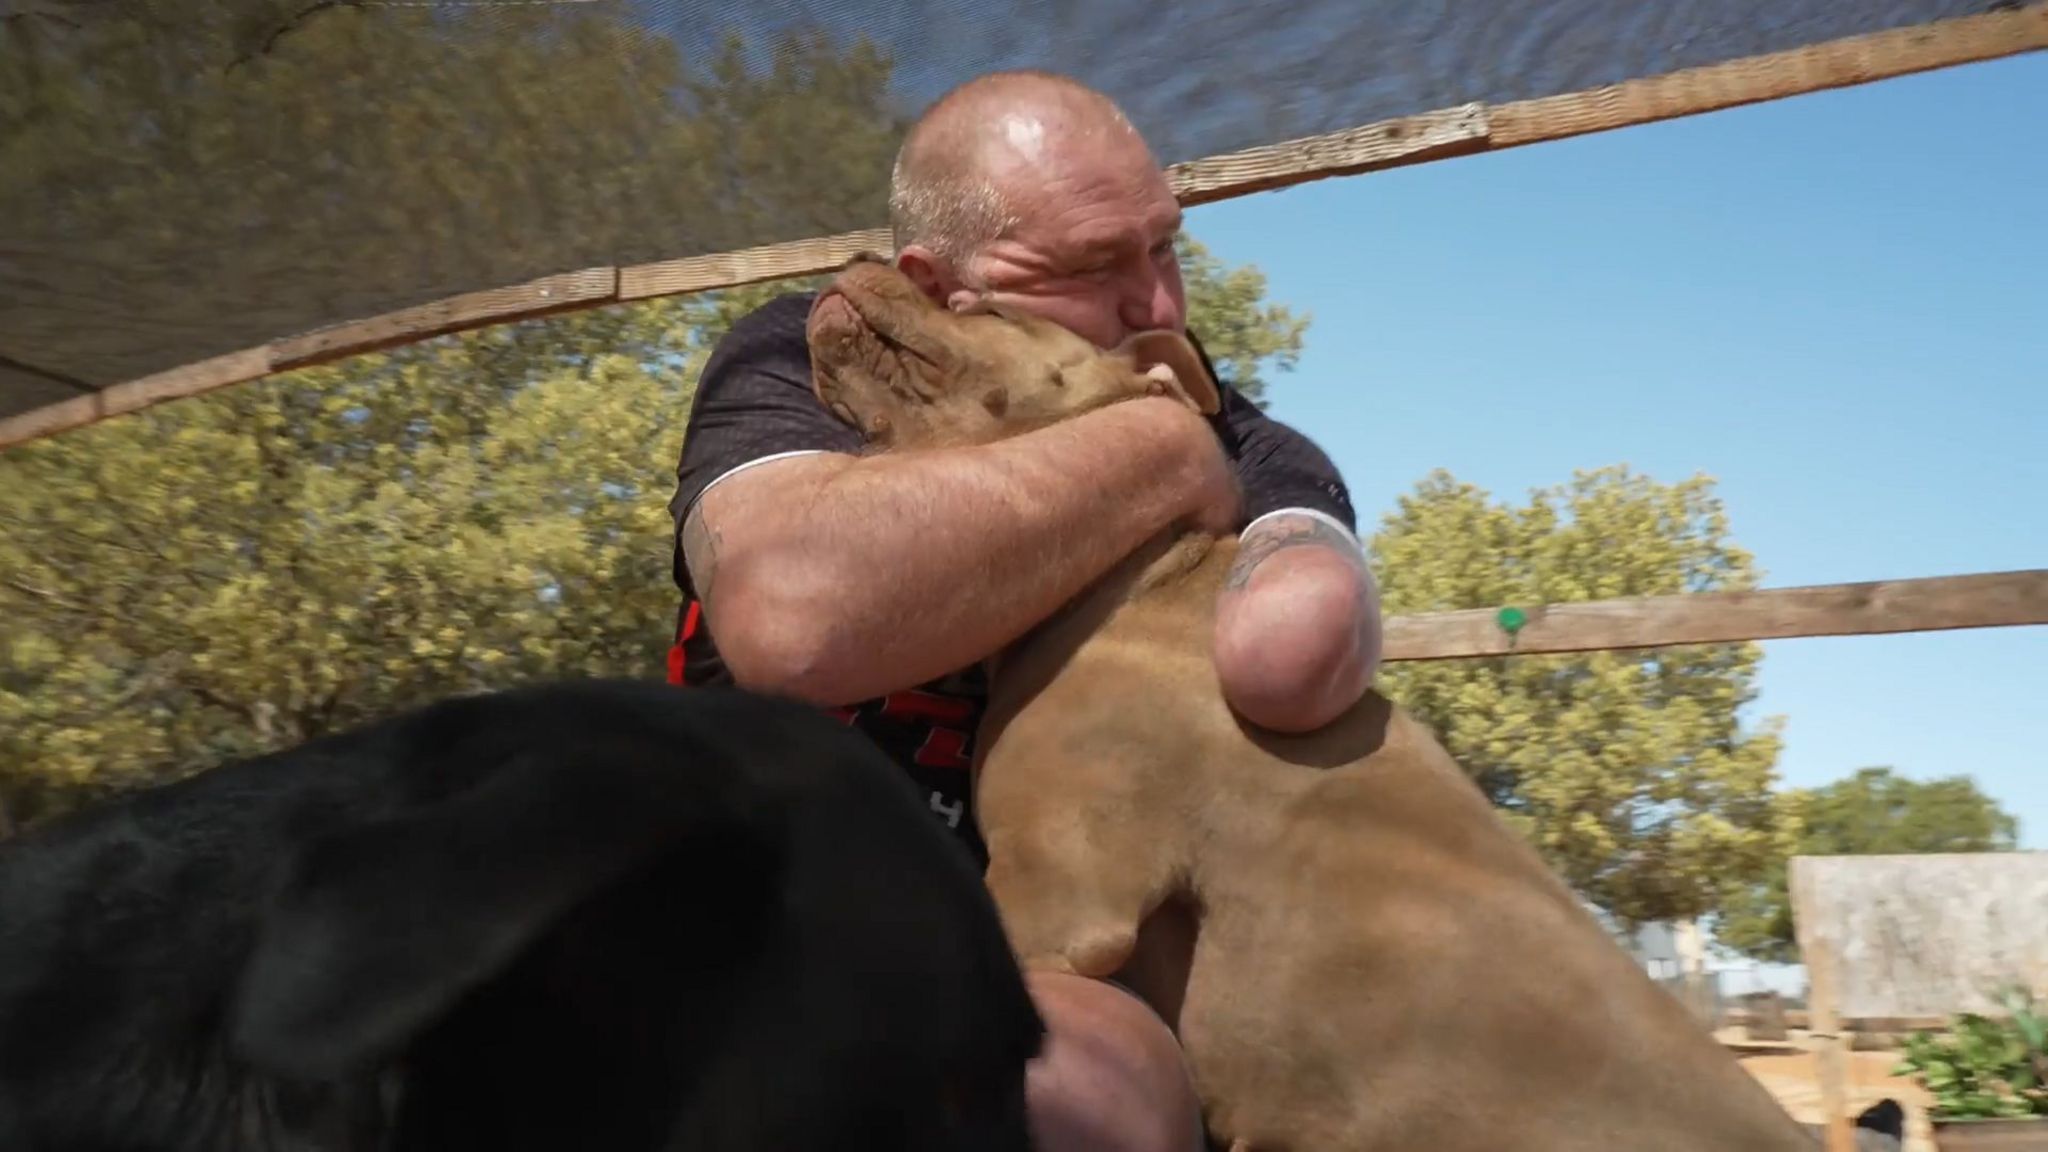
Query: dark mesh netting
[[183, 178]]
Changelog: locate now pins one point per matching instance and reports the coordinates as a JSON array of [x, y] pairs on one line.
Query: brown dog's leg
[[1072, 899]]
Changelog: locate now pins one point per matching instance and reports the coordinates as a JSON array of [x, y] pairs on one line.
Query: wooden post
[[1824, 1024]]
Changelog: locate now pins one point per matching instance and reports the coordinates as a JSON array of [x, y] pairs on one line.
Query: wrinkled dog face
[[909, 373]]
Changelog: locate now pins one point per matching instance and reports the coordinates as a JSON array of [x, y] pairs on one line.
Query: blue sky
[[1835, 305]]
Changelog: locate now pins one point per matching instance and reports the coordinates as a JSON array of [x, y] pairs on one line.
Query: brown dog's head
[[909, 373]]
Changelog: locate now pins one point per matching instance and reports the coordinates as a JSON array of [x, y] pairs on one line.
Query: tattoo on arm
[[1279, 534], [700, 550]]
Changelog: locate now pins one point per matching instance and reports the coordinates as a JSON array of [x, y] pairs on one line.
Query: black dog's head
[[672, 921]]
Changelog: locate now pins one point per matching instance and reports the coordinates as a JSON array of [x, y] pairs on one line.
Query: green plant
[[1985, 1067]]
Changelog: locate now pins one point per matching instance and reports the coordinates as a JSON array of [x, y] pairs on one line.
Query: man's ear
[[377, 931], [1150, 350], [929, 271]]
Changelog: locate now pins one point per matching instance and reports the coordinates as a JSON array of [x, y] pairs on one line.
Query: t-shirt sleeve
[[754, 403], [1278, 467]]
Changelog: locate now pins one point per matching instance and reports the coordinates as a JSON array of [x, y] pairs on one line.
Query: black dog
[[613, 915]]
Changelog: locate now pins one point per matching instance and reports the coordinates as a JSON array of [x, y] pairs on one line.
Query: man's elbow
[[772, 641], [1301, 650]]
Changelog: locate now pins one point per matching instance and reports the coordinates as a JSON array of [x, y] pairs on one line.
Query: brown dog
[[1355, 951]]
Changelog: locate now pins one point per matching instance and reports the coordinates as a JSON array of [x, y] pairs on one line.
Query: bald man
[[877, 586]]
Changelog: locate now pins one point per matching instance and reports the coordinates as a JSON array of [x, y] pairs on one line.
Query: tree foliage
[[1872, 812], [1243, 334], [1631, 772], [240, 169], [267, 563], [273, 561]]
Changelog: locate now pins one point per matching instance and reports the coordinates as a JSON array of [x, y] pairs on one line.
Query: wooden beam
[[749, 265], [1818, 67], [135, 395], [543, 297], [1395, 143], [1797, 1018], [1461, 130], [1457, 131], [1931, 604], [1385, 144]]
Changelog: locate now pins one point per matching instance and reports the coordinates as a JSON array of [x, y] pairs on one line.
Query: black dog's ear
[[376, 931]]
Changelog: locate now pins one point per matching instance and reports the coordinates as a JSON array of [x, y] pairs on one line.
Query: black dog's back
[[611, 914]]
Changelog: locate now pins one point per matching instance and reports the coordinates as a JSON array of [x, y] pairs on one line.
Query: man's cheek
[[1094, 316]]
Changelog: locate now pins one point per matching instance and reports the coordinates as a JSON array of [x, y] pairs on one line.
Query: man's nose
[[1147, 302]]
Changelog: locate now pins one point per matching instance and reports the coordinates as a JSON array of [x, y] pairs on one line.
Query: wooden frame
[[1462, 130], [1928, 604]]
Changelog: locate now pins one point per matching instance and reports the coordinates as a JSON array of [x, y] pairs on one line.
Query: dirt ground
[[1792, 1078]]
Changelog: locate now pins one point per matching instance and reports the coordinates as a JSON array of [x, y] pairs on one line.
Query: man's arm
[[1298, 623], [1297, 632], [835, 578]]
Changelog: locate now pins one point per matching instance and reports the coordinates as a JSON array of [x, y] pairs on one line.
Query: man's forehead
[[1118, 232], [1119, 195]]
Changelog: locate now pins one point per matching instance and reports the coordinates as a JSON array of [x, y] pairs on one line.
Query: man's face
[[1092, 246]]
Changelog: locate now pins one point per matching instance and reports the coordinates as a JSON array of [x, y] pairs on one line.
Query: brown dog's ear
[[1149, 350], [827, 387]]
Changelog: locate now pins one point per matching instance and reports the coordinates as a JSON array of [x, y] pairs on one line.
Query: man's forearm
[[1297, 633], [837, 580]]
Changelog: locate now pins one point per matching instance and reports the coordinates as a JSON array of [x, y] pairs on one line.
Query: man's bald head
[[950, 188]]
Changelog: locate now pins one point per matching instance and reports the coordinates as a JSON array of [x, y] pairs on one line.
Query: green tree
[[264, 564], [267, 563], [1630, 771], [237, 170], [1873, 812], [1242, 333]]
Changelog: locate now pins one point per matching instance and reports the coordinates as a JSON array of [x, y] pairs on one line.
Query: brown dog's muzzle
[[869, 291]]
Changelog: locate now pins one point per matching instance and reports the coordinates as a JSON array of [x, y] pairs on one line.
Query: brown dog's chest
[[1116, 701]]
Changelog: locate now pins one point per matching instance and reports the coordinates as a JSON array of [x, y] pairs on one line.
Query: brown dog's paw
[[1101, 952], [1063, 943]]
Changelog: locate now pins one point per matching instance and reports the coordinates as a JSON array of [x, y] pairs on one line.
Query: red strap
[[675, 652], [693, 615]]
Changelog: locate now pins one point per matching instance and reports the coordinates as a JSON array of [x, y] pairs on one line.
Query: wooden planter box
[[2023, 1135]]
